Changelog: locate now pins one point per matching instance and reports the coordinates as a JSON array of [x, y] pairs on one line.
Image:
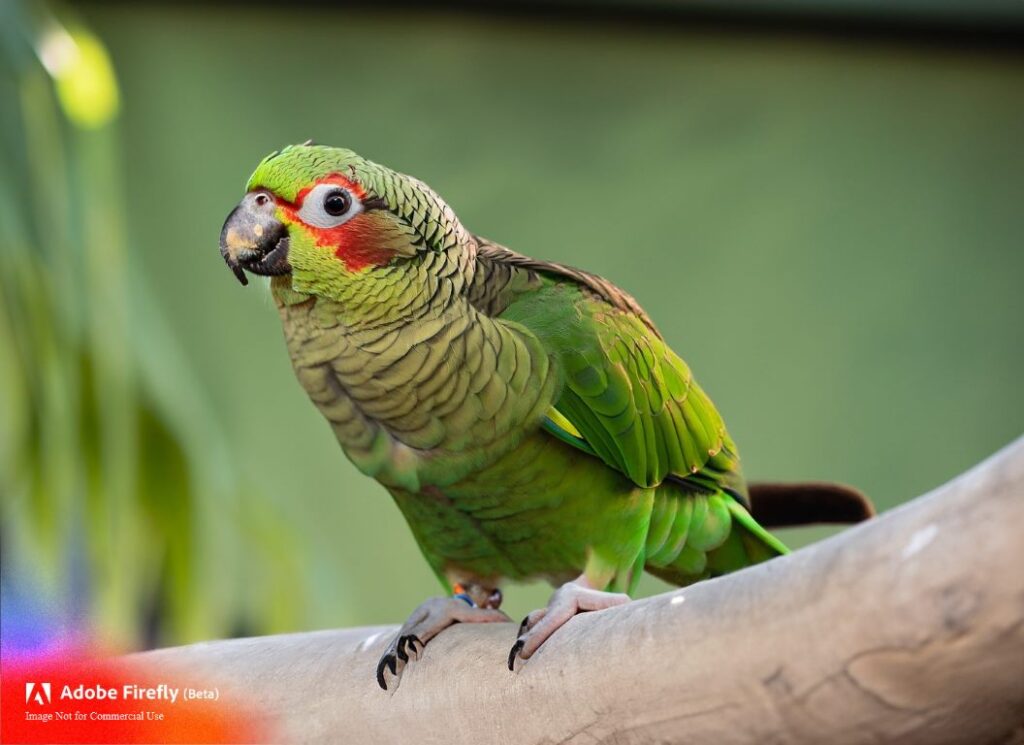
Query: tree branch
[[907, 628]]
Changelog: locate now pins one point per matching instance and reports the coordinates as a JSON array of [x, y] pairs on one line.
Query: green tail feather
[[743, 518]]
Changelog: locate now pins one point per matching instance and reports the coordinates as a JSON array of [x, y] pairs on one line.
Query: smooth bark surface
[[908, 628]]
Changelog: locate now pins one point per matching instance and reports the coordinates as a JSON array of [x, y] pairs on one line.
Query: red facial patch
[[356, 242]]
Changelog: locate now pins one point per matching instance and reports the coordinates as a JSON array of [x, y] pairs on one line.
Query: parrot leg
[[471, 604], [568, 600]]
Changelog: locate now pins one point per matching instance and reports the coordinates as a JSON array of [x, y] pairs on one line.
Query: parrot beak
[[253, 239]]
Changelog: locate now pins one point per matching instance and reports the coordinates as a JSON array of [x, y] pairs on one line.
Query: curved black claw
[[408, 641], [428, 620], [389, 662], [512, 654], [522, 626]]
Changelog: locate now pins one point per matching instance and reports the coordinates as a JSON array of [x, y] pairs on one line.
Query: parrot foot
[[427, 621], [568, 600]]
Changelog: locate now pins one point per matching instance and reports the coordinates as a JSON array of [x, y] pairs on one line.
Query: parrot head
[[327, 217]]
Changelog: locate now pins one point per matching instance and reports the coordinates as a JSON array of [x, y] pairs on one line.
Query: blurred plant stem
[[116, 492]]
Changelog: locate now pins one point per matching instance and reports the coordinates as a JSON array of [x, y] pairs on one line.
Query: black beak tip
[[239, 274], [233, 265]]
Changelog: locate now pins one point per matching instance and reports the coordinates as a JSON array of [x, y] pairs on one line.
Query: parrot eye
[[337, 203], [328, 206]]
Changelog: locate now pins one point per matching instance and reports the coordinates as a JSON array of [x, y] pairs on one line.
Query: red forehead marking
[[353, 241], [334, 178]]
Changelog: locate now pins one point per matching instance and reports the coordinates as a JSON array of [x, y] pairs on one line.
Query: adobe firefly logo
[[37, 693]]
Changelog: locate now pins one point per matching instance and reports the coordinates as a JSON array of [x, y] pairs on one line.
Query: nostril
[[262, 199]]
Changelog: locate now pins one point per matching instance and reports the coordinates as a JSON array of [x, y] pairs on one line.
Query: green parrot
[[528, 418]]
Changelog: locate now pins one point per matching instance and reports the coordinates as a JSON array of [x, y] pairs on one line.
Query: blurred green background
[[827, 226]]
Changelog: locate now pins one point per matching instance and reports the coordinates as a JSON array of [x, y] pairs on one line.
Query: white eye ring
[[314, 206]]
